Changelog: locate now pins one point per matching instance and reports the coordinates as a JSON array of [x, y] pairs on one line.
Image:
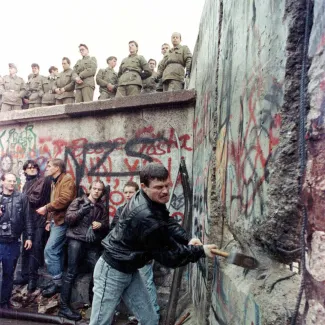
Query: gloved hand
[[90, 235], [84, 209], [187, 74]]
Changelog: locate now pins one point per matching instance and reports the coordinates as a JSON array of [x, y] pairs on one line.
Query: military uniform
[[12, 89], [46, 87], [132, 70], [34, 90], [66, 80], [85, 68], [103, 78], [149, 85], [159, 87], [171, 69]]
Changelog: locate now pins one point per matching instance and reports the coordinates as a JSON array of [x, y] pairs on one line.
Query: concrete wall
[[246, 71], [314, 197], [111, 140]]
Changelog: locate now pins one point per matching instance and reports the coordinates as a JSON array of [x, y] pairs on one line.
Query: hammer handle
[[220, 253]]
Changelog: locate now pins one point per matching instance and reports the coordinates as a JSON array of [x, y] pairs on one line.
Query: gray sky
[[44, 31]]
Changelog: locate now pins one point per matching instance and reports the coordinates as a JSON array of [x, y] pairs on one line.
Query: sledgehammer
[[236, 258]]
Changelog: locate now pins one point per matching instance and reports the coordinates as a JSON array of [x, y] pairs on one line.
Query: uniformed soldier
[[64, 84], [34, 91], [48, 98], [133, 70], [12, 89], [85, 68], [164, 49], [107, 80], [172, 67], [149, 85]]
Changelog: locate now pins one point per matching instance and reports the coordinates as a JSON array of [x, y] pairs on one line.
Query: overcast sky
[[43, 31]]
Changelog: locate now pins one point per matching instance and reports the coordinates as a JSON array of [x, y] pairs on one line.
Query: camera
[[2, 208]]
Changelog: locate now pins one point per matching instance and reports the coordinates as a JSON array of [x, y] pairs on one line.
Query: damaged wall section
[[246, 68]]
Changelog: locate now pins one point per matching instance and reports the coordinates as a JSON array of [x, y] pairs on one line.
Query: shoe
[[32, 285], [68, 313], [51, 291], [20, 281]]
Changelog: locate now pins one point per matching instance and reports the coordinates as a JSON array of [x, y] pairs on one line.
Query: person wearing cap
[[34, 88], [12, 89], [106, 79], [46, 86], [133, 70], [175, 61], [86, 69], [64, 84]]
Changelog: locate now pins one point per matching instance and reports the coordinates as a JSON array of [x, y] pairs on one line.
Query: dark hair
[[30, 162], [35, 65], [153, 60], [3, 176], [101, 182], [153, 171], [84, 45], [67, 59], [58, 163], [131, 184], [111, 58], [52, 67], [136, 44]]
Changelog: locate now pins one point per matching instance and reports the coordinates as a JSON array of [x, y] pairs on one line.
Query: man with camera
[[14, 218], [87, 225]]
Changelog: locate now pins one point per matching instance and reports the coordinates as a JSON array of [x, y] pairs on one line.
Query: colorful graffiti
[[115, 160]]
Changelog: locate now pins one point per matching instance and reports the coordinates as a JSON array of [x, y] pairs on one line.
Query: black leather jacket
[[78, 226], [145, 231], [17, 210]]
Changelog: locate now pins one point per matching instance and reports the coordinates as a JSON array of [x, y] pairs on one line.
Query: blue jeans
[[53, 252], [9, 253], [147, 274], [110, 286]]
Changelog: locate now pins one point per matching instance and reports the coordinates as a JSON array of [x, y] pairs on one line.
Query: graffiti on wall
[[248, 134], [228, 305], [115, 161]]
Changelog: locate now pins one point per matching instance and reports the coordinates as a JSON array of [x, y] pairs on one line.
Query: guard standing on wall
[[149, 85], [34, 90], [164, 49], [12, 89], [106, 79], [171, 69], [64, 84], [85, 68], [48, 98], [132, 70]]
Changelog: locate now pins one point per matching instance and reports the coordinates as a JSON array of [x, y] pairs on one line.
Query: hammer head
[[242, 260]]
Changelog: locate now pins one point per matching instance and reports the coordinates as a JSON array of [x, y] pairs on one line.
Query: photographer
[[14, 217], [87, 225]]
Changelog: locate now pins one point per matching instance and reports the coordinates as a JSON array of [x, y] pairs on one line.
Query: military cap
[[12, 65]]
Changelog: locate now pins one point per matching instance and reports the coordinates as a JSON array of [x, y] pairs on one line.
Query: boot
[[51, 291], [32, 285], [65, 309]]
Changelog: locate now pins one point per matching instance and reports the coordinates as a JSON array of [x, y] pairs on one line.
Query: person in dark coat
[[38, 190], [87, 224]]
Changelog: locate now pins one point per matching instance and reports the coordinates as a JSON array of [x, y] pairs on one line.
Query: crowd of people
[[77, 84], [120, 255]]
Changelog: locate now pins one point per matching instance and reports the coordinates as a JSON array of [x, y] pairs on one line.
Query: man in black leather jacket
[[14, 218], [144, 232], [88, 224]]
